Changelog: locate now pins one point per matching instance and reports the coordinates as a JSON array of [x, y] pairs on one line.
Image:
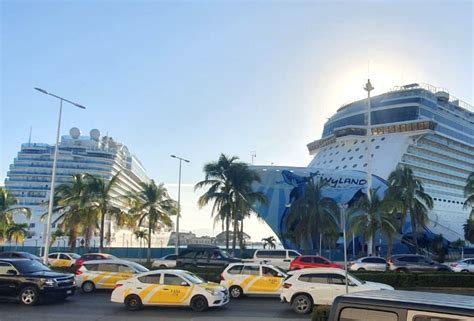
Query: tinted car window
[[306, 259], [122, 268], [319, 260], [30, 266], [352, 314], [202, 255], [52, 256], [408, 259], [263, 253], [431, 318], [188, 255], [314, 278], [171, 257], [251, 270], [150, 279], [267, 271], [171, 279], [91, 267], [4, 267], [293, 254], [236, 269], [337, 279], [107, 267], [63, 257]]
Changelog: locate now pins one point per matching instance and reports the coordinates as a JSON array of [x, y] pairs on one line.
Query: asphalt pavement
[[97, 306]]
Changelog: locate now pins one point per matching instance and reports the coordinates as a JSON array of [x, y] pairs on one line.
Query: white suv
[[278, 258], [308, 287]]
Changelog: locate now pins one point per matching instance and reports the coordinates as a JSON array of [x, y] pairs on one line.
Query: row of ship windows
[[449, 201], [342, 160], [354, 143]]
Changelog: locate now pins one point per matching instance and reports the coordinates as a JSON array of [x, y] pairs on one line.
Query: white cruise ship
[[419, 126], [29, 179]]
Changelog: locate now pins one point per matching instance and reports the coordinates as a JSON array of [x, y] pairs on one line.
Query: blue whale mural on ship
[[284, 185]]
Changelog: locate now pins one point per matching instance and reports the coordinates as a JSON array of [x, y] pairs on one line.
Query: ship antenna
[[253, 155], [29, 138], [368, 87]]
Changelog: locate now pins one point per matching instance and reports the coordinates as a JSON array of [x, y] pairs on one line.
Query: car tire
[[88, 287], [199, 303], [133, 302], [361, 269], [29, 295], [302, 304], [162, 266], [465, 271], [236, 292], [401, 270]]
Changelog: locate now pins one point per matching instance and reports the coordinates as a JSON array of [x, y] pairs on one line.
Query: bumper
[[58, 293], [283, 299], [218, 300]]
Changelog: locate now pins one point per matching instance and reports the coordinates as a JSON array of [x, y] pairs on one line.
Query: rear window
[[352, 314], [108, 267], [150, 279], [374, 260], [314, 278], [271, 254], [236, 269]]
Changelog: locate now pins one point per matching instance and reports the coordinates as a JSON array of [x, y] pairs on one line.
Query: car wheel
[[302, 304], [236, 292], [465, 271], [402, 270], [199, 303], [29, 295], [88, 287], [133, 302], [162, 266], [361, 269]]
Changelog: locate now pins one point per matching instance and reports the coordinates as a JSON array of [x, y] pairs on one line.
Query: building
[[29, 177], [419, 126], [186, 238]]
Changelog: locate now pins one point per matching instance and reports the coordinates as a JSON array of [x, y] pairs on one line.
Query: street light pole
[[53, 175], [343, 207], [176, 243], [368, 87]]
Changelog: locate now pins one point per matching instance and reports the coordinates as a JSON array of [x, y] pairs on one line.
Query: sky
[[200, 78]]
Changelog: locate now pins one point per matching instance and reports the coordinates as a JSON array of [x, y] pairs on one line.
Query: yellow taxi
[[62, 259], [103, 274], [252, 278], [169, 288]]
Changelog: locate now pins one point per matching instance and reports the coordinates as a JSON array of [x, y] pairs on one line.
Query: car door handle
[[286, 260], [139, 288], [166, 289]]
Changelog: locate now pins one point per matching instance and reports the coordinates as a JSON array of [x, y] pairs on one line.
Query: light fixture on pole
[[368, 87], [179, 200], [343, 207], [47, 234]]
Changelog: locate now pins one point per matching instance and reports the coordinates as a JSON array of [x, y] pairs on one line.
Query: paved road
[[97, 306]]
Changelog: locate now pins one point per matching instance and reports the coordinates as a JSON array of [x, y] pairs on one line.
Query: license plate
[[69, 292]]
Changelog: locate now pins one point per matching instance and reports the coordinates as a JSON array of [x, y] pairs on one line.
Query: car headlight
[[212, 291], [48, 282]]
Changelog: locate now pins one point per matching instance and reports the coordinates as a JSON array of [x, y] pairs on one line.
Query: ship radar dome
[[95, 134], [75, 132]]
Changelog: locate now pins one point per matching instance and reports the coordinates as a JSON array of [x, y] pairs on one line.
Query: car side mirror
[[280, 275], [184, 284], [12, 272]]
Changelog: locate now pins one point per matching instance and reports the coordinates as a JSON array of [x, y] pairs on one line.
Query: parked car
[[204, 256], [252, 278], [169, 288], [313, 261], [466, 265], [414, 263], [20, 255], [308, 287], [103, 274], [167, 261], [279, 258], [93, 256], [29, 281], [369, 263], [62, 259], [402, 306]]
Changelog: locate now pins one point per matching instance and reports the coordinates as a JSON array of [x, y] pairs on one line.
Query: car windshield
[[74, 255], [193, 278], [225, 254], [138, 267], [30, 266], [279, 270], [353, 278]]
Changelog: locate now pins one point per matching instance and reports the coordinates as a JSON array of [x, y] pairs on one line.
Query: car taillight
[[78, 272], [454, 264], [390, 261], [287, 285], [117, 285], [222, 277]]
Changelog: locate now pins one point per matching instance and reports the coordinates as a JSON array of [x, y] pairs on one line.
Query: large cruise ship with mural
[[419, 126]]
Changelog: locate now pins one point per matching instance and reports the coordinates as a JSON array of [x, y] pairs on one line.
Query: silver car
[[369, 263], [166, 262], [466, 265]]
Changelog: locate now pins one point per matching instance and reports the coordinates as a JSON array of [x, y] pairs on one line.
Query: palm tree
[[74, 209], [153, 205], [8, 211], [219, 192], [468, 228], [369, 215], [312, 216], [414, 201], [17, 232], [269, 241], [469, 192], [56, 235], [101, 190], [141, 235]]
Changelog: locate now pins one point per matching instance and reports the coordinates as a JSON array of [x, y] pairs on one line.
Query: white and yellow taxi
[[103, 274], [252, 278], [169, 288], [62, 259]]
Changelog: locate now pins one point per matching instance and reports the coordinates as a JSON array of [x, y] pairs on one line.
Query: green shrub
[[321, 313]]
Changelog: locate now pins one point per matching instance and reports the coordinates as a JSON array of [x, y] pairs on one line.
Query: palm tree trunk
[[234, 235], [413, 231], [389, 245], [372, 237], [241, 238], [148, 254], [102, 227], [227, 226]]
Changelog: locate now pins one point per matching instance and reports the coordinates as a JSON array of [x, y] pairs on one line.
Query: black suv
[[414, 263], [204, 256], [29, 281]]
